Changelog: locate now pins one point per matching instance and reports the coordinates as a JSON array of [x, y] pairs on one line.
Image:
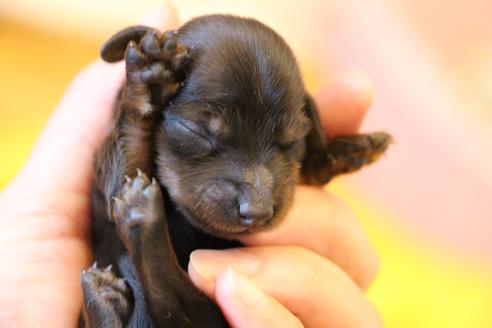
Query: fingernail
[[359, 85], [210, 263], [247, 294]]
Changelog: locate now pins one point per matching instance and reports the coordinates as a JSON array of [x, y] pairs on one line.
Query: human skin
[[44, 226]]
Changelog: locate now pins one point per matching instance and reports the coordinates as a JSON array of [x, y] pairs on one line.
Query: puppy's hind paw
[[105, 295]]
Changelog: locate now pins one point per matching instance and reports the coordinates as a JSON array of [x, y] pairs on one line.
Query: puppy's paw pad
[[150, 44], [139, 206], [158, 60], [154, 48], [101, 287], [157, 73]]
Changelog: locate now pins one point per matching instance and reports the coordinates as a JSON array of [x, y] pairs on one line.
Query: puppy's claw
[[108, 268], [94, 265]]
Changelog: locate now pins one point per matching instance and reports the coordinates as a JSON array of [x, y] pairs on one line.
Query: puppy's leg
[[107, 299], [155, 69], [327, 158], [344, 154], [171, 298]]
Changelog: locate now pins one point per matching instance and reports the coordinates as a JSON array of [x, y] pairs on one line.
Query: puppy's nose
[[255, 197], [251, 215]]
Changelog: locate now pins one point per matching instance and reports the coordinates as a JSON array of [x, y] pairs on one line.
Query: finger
[[329, 229], [245, 306], [318, 292], [63, 156], [343, 105]]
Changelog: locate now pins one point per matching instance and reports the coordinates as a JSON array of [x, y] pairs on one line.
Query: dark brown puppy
[[217, 112]]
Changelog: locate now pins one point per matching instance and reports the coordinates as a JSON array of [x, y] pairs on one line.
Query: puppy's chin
[[225, 228]]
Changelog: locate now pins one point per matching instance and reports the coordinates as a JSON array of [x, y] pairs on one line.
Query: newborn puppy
[[213, 128]]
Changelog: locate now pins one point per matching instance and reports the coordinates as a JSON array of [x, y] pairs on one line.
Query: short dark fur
[[218, 113]]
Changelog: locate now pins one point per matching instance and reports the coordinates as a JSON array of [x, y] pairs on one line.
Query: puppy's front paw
[[157, 60], [105, 294], [138, 211]]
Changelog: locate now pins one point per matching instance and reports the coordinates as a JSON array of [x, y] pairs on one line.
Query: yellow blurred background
[[426, 207]]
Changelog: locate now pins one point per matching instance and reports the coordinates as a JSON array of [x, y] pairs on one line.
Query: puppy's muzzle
[[249, 196], [255, 205], [255, 196]]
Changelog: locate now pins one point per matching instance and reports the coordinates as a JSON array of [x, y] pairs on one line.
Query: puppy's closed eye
[[295, 150], [292, 139], [187, 138]]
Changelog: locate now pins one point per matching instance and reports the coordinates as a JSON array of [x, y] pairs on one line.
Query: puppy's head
[[231, 142]]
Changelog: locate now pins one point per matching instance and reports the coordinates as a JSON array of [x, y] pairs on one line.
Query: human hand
[[44, 212]]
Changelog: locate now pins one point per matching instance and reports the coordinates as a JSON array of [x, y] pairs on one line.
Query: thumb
[[246, 306], [62, 157], [343, 105]]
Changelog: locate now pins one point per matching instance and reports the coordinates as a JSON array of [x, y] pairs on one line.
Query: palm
[[44, 248]]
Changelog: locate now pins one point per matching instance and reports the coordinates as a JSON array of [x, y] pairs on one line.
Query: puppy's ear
[[316, 156], [113, 50], [328, 157]]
